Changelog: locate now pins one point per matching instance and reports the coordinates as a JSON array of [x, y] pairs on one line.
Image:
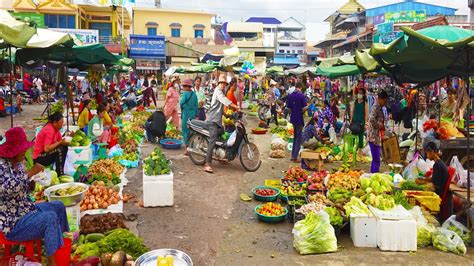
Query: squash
[[118, 259]]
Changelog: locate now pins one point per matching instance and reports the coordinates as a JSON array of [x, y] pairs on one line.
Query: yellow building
[[178, 26], [107, 20]]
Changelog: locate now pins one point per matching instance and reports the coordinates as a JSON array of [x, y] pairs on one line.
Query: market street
[[211, 223]]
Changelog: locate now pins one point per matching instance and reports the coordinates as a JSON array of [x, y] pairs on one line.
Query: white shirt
[[38, 83], [291, 90]]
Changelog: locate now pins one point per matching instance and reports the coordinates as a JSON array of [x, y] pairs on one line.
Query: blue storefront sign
[[379, 19], [144, 46], [384, 28]]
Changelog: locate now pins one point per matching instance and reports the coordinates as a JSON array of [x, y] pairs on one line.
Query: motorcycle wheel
[[262, 111], [199, 144], [250, 157]]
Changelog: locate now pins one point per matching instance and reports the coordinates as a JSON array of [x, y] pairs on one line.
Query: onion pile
[[98, 196]]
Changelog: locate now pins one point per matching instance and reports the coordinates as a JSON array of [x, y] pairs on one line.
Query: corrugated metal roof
[[351, 7], [431, 10], [264, 20]]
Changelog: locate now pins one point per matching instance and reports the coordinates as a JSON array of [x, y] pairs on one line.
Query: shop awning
[[338, 71]]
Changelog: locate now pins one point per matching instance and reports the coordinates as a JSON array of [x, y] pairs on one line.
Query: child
[[18, 102]]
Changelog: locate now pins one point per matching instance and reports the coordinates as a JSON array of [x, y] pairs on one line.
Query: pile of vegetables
[[312, 207], [156, 164], [314, 234], [139, 118], [122, 240], [131, 131], [334, 216], [172, 133], [355, 206], [348, 180], [381, 201], [339, 195], [318, 197], [101, 223], [400, 198], [271, 209], [80, 139], [98, 196], [316, 180], [91, 178], [411, 185], [448, 241], [293, 190], [130, 146], [295, 174], [424, 230], [377, 183], [106, 167]]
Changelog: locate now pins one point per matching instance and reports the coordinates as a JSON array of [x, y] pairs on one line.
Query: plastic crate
[[426, 199]]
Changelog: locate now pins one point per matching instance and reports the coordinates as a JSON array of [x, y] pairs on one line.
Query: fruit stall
[[93, 196], [381, 210]]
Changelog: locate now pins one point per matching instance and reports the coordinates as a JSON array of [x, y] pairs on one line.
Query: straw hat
[[16, 143], [222, 79]]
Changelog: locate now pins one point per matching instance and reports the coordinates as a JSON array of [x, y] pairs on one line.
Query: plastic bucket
[[63, 254]]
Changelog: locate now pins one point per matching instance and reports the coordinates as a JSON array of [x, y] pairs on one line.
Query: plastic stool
[[29, 248], [351, 144]]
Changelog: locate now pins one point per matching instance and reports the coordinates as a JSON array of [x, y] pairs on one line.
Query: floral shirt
[[326, 113], [14, 200], [376, 118]]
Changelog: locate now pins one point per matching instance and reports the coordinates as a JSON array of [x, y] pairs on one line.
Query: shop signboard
[[379, 19], [149, 64], [144, 46], [37, 18], [406, 16], [386, 38], [384, 28], [85, 36]]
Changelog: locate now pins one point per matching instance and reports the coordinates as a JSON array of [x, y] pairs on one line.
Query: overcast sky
[[309, 12]]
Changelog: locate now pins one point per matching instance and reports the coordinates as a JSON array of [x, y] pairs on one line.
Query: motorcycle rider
[[214, 118]]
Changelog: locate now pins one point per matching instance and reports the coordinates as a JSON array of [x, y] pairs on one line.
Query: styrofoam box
[[396, 235], [158, 190], [364, 231], [81, 153]]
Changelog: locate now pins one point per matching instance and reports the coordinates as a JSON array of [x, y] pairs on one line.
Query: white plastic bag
[[366, 151], [457, 227], [314, 234], [69, 168], [268, 114], [332, 135], [424, 166], [232, 139], [411, 171], [460, 174], [43, 178], [278, 144], [424, 231], [448, 241]]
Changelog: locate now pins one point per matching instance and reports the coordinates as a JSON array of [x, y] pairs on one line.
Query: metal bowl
[[69, 200], [150, 258]]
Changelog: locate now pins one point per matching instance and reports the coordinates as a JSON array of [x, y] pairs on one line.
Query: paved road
[[215, 227]]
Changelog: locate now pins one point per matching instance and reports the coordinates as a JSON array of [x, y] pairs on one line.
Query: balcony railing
[[110, 39]]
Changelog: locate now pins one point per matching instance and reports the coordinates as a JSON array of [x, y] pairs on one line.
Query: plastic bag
[[424, 166], [314, 234], [43, 178], [457, 227], [232, 138], [69, 168], [332, 135], [424, 230], [278, 144], [448, 241], [411, 171], [115, 151], [460, 174]]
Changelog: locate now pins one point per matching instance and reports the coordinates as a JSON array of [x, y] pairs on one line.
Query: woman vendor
[[439, 178], [50, 147], [449, 104], [95, 129], [310, 135], [189, 108], [20, 219], [171, 103], [83, 119]]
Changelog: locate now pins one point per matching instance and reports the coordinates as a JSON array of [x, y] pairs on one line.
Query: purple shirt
[[296, 102]]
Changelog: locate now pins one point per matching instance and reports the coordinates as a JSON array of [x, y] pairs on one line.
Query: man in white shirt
[[292, 88], [38, 83]]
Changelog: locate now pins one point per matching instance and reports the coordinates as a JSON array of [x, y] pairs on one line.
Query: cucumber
[[94, 237]]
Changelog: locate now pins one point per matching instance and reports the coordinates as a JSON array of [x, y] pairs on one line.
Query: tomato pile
[[271, 209], [265, 192]]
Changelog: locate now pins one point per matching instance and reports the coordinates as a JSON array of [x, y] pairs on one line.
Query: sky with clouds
[[309, 12]]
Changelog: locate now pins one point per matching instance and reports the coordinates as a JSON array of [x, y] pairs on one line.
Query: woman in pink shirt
[[171, 103], [49, 146]]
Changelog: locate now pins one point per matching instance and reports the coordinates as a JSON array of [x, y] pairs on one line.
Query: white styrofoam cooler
[[81, 153], [396, 235], [158, 190], [364, 231]]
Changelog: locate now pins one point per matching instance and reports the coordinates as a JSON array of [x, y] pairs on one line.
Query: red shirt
[[47, 136]]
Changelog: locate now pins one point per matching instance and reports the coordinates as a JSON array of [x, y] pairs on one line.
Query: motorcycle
[[238, 145]]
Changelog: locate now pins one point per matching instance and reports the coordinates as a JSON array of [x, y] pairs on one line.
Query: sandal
[[208, 169]]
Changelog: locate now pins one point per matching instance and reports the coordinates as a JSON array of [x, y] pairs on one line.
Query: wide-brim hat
[[222, 79], [15, 143], [187, 82]]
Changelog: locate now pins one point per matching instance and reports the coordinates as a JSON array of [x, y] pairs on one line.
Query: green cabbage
[[448, 241], [334, 216], [314, 234], [356, 206], [424, 235]]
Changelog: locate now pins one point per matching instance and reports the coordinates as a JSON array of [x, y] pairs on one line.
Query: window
[[60, 21], [198, 33], [282, 51], [175, 32], [152, 31]]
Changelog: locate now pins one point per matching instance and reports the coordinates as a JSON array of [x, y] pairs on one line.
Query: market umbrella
[[427, 55], [14, 32], [338, 71], [300, 71], [275, 70], [334, 61]]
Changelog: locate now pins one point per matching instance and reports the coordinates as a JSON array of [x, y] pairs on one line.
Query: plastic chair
[[30, 247], [351, 144]]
